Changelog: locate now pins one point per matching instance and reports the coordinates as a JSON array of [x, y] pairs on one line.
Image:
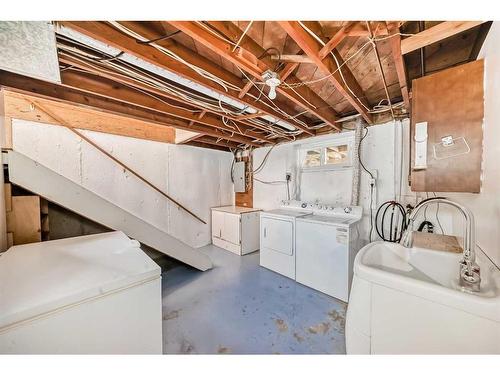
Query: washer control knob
[[347, 210], [303, 205]]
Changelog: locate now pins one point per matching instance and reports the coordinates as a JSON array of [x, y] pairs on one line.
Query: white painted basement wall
[[380, 151], [198, 178]]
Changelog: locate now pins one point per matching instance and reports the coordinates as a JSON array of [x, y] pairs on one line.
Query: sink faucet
[[469, 277]]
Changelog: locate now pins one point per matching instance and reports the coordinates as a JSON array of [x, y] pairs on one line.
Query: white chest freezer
[[97, 294]]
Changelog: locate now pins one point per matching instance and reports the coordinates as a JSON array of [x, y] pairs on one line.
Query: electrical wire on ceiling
[[336, 62], [273, 104], [103, 64], [371, 41], [200, 71], [224, 84], [357, 52], [243, 35]]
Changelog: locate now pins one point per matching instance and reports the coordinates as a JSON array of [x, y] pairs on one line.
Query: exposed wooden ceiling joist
[[162, 95], [399, 62], [213, 141], [335, 40], [106, 33], [302, 59], [108, 104], [100, 85], [18, 106], [251, 57], [435, 34], [350, 89], [196, 143]]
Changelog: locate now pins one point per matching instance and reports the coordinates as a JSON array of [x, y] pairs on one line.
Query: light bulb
[[272, 92]]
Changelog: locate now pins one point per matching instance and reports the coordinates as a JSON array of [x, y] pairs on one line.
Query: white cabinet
[[236, 229]]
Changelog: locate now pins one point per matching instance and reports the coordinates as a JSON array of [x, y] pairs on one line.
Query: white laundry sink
[[408, 300]]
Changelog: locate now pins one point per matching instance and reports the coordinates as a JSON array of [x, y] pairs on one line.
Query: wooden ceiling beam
[[89, 82], [213, 141], [106, 33], [103, 72], [196, 143], [435, 34], [106, 104], [301, 59], [335, 40], [251, 57], [399, 62], [352, 90], [288, 69]]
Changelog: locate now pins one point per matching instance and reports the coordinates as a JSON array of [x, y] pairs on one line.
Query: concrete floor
[[241, 308]]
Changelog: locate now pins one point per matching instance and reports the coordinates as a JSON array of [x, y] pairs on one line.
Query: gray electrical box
[[239, 177]]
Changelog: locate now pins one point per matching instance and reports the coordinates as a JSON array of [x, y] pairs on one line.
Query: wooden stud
[[352, 91], [335, 40], [435, 34], [106, 104], [397, 56], [106, 33], [246, 57], [103, 86], [17, 106], [301, 59], [112, 76]]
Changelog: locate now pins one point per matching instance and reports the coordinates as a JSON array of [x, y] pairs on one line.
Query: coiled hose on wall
[[397, 223]]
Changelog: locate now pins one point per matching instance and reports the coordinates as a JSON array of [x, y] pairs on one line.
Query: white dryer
[[326, 243], [277, 237]]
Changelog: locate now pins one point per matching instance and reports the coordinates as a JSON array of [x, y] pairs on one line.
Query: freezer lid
[[42, 277]]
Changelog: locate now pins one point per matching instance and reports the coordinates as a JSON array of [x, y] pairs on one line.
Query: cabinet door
[[217, 223], [231, 228]]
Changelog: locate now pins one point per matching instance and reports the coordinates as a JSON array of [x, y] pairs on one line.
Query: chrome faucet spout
[[469, 270]]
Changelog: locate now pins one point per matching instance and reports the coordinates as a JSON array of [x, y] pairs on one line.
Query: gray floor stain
[[338, 319], [174, 314], [186, 347], [281, 325], [223, 350], [322, 328], [298, 337], [238, 307]]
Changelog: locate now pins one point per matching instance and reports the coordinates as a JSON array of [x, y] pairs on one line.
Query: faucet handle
[[470, 278], [474, 267]]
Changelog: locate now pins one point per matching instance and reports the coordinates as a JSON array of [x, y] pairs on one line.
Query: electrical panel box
[[239, 177]]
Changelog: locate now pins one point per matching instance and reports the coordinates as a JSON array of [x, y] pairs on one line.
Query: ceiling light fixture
[[271, 79]]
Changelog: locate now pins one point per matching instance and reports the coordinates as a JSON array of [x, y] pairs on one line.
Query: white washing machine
[[326, 243], [277, 237]]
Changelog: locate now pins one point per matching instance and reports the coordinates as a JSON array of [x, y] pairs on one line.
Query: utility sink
[[408, 300], [425, 266]]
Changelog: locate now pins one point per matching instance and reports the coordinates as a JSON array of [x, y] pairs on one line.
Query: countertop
[[235, 209], [434, 241]]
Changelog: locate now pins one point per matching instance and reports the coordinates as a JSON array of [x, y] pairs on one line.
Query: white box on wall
[[239, 177]]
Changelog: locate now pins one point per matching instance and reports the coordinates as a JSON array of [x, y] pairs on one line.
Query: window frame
[[302, 151]]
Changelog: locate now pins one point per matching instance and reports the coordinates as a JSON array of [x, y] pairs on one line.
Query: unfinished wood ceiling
[[206, 76]]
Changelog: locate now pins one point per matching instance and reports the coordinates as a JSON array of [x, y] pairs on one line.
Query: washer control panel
[[323, 209]]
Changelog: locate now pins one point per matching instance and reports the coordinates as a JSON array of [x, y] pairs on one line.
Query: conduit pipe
[[356, 168]]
